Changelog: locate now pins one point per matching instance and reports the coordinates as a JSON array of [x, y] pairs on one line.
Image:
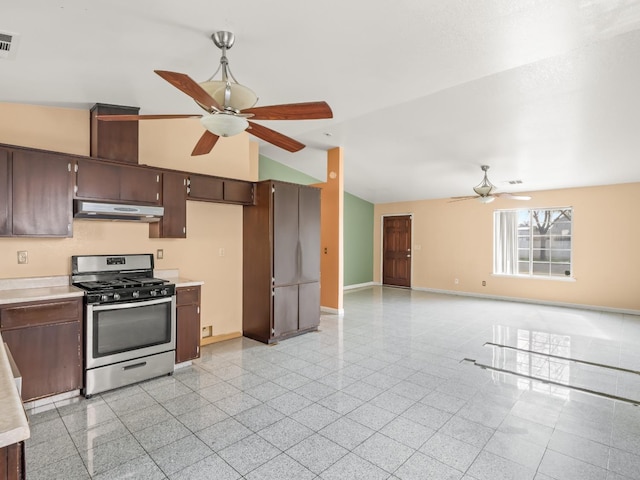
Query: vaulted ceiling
[[423, 91]]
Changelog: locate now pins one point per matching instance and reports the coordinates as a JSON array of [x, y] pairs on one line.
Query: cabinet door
[[12, 462], [309, 305], [238, 191], [98, 180], [48, 358], [285, 310], [187, 323], [140, 185], [5, 194], [187, 333], [309, 234], [41, 186], [205, 188], [174, 200], [285, 234]]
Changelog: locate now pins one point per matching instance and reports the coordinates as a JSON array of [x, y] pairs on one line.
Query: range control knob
[[153, 293], [116, 296], [164, 291], [136, 294], [104, 297]]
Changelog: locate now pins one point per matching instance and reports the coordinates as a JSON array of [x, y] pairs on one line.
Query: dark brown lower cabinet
[[45, 339], [12, 462], [187, 323]]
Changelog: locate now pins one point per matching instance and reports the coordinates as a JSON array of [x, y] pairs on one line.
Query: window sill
[[535, 277]]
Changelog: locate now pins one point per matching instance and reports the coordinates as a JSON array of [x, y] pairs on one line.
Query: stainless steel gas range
[[130, 320]]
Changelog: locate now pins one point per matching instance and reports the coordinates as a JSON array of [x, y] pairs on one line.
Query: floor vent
[[8, 45]]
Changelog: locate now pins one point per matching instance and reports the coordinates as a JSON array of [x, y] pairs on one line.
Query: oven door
[[124, 331]]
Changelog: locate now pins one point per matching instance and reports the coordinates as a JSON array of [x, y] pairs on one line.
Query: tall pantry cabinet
[[281, 262]]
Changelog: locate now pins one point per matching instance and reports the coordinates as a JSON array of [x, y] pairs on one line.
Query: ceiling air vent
[[8, 45]]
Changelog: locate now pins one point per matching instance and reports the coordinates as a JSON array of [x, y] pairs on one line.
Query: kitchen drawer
[[187, 295], [41, 313]]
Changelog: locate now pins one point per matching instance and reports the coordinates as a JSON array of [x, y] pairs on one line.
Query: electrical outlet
[[484, 283], [160, 254], [455, 280], [23, 257], [221, 252]]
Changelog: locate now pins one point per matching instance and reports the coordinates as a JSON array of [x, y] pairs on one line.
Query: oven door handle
[[141, 303]]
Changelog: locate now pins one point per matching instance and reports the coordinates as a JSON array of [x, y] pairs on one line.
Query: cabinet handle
[[75, 168], [157, 196], [75, 189], [198, 309], [157, 178], [184, 230], [69, 166]]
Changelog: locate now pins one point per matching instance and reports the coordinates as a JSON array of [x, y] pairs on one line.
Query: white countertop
[[14, 426], [17, 295], [182, 282], [173, 276]]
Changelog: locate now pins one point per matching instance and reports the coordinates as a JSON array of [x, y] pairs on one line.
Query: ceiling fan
[[228, 105], [485, 191]]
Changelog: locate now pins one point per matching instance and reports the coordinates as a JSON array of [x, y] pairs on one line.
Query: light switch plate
[[23, 257]]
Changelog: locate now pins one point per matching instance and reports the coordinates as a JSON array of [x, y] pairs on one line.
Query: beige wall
[[210, 226], [455, 240]]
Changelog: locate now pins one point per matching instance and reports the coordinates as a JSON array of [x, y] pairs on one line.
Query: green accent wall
[[357, 228]]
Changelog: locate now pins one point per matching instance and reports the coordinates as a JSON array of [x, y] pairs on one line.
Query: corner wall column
[[331, 221]]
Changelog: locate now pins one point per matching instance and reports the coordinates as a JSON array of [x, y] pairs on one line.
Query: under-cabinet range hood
[[115, 211]]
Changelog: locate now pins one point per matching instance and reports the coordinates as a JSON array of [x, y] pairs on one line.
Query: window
[[533, 242]]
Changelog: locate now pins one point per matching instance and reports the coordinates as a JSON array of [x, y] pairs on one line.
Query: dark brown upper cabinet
[[214, 189], [238, 192], [41, 185], [99, 180], [114, 140], [205, 188], [174, 200], [5, 193]]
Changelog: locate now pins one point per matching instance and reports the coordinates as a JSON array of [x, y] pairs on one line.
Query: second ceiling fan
[[485, 191], [229, 105]]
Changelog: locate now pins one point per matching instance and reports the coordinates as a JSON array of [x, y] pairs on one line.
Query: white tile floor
[[381, 393]]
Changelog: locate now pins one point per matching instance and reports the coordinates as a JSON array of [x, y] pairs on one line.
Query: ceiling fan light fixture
[[240, 97], [486, 199], [224, 124], [485, 187]]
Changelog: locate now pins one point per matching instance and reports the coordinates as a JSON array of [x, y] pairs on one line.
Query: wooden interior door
[[396, 251]]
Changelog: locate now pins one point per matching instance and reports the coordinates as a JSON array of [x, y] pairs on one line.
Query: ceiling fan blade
[[189, 86], [205, 144], [513, 196], [129, 118], [292, 111], [459, 199], [277, 139]]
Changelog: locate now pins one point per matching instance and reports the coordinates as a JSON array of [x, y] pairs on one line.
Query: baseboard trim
[[531, 300], [332, 311], [360, 285], [219, 338]]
